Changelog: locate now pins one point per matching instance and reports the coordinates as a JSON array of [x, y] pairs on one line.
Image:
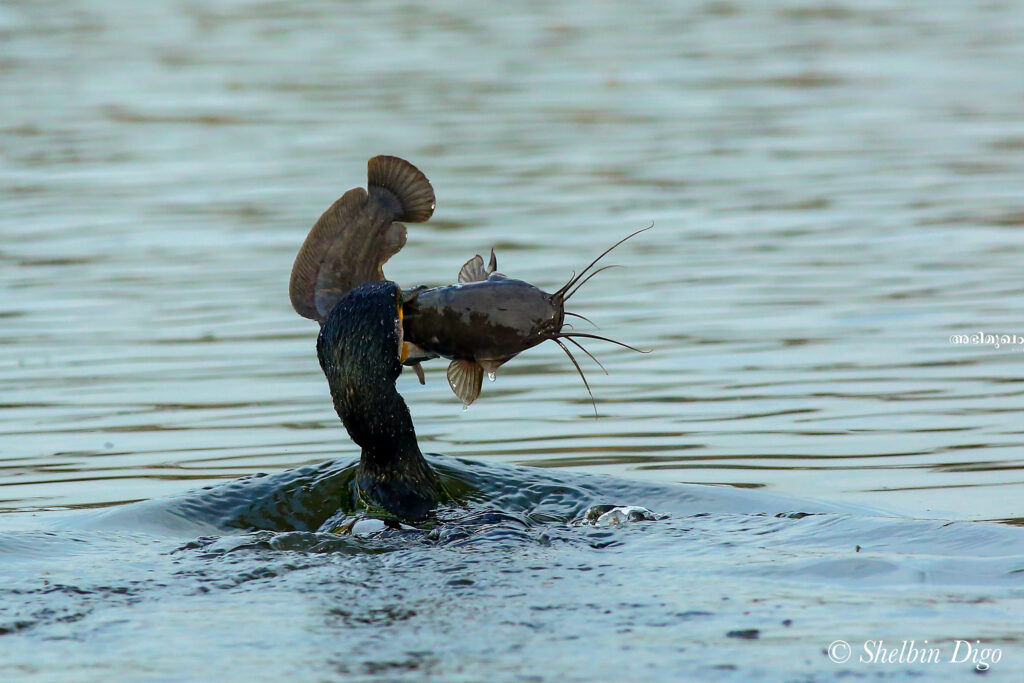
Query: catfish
[[478, 324]]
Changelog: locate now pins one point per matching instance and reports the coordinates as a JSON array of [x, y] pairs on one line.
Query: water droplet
[[465, 407], [490, 375]]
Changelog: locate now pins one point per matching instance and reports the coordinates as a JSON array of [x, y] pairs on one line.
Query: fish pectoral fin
[[465, 378], [417, 354], [418, 369], [473, 270]]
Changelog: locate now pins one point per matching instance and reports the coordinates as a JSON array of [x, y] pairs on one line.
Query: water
[[514, 583], [835, 192]]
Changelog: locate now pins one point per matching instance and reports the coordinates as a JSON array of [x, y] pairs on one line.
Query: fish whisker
[[557, 296], [587, 279], [579, 370], [584, 350], [565, 288], [583, 317], [597, 336]]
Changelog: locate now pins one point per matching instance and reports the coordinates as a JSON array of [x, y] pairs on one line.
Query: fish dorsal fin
[[418, 369], [403, 181], [473, 270], [465, 378]]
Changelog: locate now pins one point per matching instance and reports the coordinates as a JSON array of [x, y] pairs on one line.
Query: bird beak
[[403, 352]]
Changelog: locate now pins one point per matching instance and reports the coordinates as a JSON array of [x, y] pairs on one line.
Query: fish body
[[494, 319], [479, 326]]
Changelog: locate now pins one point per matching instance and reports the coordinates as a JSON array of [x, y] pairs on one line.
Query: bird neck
[[380, 423], [392, 472]]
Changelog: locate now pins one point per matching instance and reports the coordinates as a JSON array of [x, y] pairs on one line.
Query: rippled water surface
[[836, 190]]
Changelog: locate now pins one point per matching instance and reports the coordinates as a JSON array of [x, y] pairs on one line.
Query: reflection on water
[[836, 190]]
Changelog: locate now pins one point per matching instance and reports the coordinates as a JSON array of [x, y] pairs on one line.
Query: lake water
[[836, 190]]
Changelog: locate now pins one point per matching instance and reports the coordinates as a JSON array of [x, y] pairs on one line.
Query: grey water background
[[836, 190]]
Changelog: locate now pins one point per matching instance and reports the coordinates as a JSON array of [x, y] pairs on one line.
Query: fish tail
[[394, 179]]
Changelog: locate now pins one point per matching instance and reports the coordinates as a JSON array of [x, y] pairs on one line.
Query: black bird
[[478, 324], [361, 350]]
